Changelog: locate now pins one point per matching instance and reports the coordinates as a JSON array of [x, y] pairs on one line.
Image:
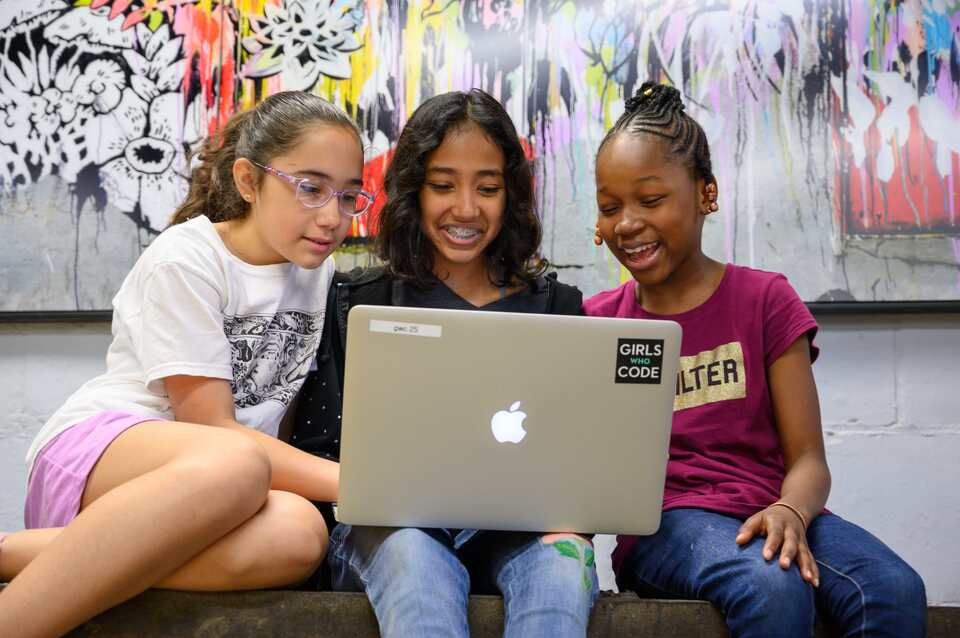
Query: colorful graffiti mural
[[834, 123]]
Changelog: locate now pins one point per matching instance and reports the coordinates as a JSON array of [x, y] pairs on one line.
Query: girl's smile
[[642, 255]]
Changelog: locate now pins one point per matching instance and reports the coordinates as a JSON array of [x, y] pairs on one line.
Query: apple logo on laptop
[[508, 425]]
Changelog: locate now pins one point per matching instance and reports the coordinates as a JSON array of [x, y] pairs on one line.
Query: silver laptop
[[508, 421]]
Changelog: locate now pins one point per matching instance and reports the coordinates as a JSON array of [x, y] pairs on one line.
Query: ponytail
[[212, 192]]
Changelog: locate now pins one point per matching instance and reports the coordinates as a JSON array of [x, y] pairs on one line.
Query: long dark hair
[[401, 242], [656, 109], [270, 129]]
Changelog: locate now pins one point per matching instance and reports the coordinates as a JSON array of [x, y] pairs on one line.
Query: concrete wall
[[889, 389]]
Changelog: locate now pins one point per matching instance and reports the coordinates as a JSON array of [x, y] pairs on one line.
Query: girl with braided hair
[[744, 524]]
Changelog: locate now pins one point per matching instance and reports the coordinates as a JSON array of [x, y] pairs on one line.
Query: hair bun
[[651, 93]]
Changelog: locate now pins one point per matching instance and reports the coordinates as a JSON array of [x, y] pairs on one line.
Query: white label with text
[[401, 328]]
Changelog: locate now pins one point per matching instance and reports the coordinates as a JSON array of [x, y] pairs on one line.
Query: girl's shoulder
[[367, 286], [763, 286], [361, 276], [608, 302], [191, 240], [746, 274]]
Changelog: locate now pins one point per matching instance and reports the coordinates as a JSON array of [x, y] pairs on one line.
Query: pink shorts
[[61, 468]]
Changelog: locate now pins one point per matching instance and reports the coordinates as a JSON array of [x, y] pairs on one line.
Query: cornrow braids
[[656, 109]]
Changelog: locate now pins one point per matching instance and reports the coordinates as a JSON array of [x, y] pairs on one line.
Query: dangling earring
[[597, 238]]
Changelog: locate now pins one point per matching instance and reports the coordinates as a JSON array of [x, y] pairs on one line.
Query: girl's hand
[[785, 532]]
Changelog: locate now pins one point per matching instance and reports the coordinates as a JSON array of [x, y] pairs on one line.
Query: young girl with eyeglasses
[[165, 471]]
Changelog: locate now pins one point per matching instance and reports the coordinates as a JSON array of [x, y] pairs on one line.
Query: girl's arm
[[807, 482], [209, 401], [287, 422]]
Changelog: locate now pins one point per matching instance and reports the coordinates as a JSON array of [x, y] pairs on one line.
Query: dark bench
[[333, 615]]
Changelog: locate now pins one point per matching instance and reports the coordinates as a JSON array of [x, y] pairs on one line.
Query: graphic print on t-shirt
[[711, 376], [283, 343]]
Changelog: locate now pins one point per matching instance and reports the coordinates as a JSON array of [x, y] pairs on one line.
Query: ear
[[245, 178], [708, 193]]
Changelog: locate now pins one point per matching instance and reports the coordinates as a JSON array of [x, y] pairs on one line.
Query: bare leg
[[161, 494], [19, 548], [281, 544]]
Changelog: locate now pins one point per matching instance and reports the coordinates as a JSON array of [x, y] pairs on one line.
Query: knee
[[899, 586], [779, 583], [231, 470], [309, 537], [414, 555], [773, 592], [298, 538], [566, 564], [409, 547]]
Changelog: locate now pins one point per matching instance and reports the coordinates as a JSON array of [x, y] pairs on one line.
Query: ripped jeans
[[419, 580], [865, 587]]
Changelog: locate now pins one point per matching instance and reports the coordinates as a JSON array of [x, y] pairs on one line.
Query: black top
[[316, 426], [441, 296]]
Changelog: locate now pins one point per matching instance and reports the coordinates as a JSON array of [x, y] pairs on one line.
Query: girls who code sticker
[[639, 361]]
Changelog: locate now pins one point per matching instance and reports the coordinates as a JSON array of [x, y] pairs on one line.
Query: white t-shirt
[[189, 306]]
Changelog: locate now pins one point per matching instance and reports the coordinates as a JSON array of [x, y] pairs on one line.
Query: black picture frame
[[818, 308]]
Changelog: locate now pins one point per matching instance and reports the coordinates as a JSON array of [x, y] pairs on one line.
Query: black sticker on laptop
[[639, 361]]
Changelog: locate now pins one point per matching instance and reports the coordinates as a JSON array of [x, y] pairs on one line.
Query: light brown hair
[[270, 129]]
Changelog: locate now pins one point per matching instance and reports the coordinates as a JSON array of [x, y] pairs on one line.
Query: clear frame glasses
[[352, 202]]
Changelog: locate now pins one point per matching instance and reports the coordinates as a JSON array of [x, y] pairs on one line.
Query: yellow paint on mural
[[604, 89], [252, 6], [412, 43], [363, 64], [553, 88]]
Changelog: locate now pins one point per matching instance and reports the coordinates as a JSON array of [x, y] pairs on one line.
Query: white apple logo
[[508, 426]]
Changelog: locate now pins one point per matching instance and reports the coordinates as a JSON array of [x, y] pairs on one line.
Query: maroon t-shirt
[[725, 453]]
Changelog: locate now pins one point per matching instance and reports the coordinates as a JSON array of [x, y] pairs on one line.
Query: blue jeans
[[864, 587], [419, 580]]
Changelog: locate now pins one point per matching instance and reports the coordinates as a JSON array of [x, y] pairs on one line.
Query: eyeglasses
[[353, 202]]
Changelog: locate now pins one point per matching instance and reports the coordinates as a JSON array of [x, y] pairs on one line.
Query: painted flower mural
[[143, 177], [302, 40], [834, 124], [106, 97]]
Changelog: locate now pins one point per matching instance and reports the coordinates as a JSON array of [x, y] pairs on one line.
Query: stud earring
[[712, 205]]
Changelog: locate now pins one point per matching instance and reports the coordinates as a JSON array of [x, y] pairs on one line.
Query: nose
[[466, 207], [328, 215], [631, 222]]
